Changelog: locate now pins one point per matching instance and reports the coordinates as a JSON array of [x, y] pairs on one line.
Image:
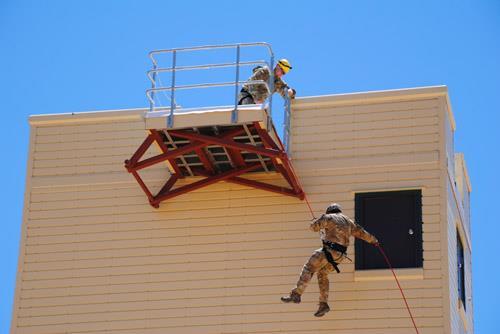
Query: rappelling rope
[[399, 285], [378, 246], [300, 185], [309, 205]]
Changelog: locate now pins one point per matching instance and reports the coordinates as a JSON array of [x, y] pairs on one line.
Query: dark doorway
[[395, 218], [460, 269]]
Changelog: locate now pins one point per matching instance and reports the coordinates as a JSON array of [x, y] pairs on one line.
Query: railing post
[[153, 86], [234, 114], [170, 121], [271, 89], [157, 85], [286, 124]]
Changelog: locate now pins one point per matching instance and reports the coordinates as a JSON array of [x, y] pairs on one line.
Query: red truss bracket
[[197, 145]]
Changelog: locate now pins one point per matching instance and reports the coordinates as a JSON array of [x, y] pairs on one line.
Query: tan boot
[[322, 310], [294, 297]]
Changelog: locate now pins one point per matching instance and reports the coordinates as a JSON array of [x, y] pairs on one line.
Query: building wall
[[463, 187], [344, 147], [96, 258], [457, 189]]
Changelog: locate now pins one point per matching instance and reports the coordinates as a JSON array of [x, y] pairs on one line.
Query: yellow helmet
[[284, 64]]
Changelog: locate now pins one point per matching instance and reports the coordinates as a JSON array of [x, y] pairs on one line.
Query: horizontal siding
[[99, 259], [367, 108], [454, 219], [468, 290], [457, 325], [228, 323]]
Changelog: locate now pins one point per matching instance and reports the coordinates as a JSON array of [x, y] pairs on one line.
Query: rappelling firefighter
[[335, 229], [256, 93]]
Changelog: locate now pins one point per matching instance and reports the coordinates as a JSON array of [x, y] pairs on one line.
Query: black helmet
[[334, 208]]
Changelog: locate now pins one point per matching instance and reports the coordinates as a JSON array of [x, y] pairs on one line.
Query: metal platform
[[215, 143], [217, 153]]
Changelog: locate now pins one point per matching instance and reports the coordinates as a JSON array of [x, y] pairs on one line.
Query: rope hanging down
[[399, 286], [378, 246], [300, 184]]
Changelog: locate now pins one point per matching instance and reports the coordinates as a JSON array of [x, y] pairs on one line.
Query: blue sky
[[68, 56]]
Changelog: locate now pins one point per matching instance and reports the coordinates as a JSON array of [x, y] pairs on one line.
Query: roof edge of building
[[390, 95], [87, 116]]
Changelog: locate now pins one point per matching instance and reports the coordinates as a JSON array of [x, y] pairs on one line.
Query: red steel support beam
[[177, 152], [140, 151], [283, 172], [205, 182], [228, 143], [143, 186], [270, 149], [235, 157], [263, 186], [280, 146], [285, 169], [293, 178], [257, 185], [159, 140], [268, 143], [167, 156], [168, 185], [266, 138], [202, 155]]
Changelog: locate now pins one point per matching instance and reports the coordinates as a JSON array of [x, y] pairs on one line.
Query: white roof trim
[[130, 114], [381, 96], [86, 117], [384, 95]]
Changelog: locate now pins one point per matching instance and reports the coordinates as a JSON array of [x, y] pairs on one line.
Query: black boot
[[294, 297], [322, 310]]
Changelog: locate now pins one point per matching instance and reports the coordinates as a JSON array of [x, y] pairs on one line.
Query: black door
[[395, 218], [461, 270]]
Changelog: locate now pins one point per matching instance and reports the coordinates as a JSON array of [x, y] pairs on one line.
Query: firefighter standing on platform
[[336, 229], [256, 93]]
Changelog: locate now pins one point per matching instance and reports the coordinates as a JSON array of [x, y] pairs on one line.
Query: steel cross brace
[[256, 184], [197, 144], [133, 165], [285, 168]]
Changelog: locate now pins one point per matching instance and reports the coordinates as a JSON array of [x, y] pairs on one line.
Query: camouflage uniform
[[258, 93], [335, 228]]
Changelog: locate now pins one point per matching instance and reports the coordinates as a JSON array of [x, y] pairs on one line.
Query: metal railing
[[157, 87], [286, 123]]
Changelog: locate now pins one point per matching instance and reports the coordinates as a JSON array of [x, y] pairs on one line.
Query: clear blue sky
[[65, 56]]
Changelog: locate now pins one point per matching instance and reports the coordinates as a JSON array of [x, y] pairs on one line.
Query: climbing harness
[[245, 94], [336, 247]]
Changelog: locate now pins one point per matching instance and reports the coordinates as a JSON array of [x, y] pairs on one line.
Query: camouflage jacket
[[338, 228], [260, 92]]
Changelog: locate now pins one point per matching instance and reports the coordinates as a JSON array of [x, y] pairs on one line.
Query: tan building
[[96, 257]]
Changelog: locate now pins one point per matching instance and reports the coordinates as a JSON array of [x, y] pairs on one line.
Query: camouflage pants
[[317, 263]]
